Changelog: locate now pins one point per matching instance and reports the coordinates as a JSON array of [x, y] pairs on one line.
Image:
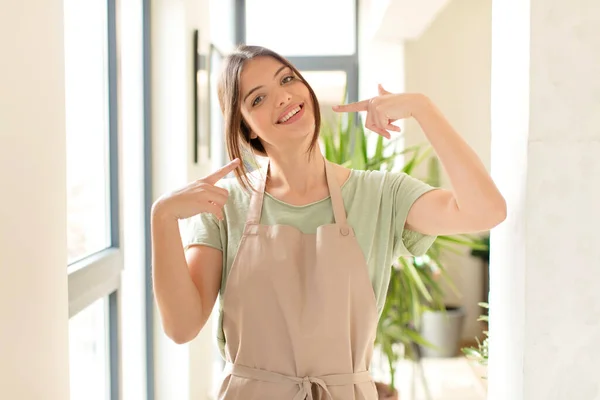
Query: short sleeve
[[405, 191], [203, 229]]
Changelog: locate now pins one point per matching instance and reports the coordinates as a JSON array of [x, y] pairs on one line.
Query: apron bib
[[299, 312]]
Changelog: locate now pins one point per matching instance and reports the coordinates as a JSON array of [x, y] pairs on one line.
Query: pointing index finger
[[222, 172], [352, 107]]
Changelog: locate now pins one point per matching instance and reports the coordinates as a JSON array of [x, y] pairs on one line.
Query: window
[[297, 29], [86, 91], [330, 87], [306, 40], [88, 353], [95, 258]]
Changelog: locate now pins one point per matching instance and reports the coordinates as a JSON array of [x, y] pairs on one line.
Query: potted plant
[[441, 327], [414, 285], [441, 324], [479, 354], [483, 254]]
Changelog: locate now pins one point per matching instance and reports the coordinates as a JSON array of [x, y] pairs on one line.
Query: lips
[[287, 111]]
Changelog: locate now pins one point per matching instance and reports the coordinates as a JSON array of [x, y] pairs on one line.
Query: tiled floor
[[447, 378]]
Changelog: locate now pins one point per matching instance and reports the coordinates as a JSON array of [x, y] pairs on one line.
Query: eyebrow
[[258, 87]]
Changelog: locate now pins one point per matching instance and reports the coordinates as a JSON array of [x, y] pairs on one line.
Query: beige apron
[[299, 312]]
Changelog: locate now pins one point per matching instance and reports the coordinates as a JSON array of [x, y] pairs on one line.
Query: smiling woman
[[299, 252], [252, 115]]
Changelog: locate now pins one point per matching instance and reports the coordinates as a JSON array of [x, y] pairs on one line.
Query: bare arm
[[185, 284], [474, 204]]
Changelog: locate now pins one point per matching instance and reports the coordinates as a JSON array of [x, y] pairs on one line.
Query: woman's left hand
[[384, 109]]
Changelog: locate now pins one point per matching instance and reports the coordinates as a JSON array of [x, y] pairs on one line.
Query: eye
[[257, 101], [288, 79]]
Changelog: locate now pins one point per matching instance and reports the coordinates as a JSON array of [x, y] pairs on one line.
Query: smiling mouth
[[291, 114]]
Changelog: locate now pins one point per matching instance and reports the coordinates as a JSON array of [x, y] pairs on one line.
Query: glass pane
[[329, 86], [222, 34], [313, 27], [88, 353], [86, 80]]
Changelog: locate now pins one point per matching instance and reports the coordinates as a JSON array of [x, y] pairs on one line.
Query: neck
[[296, 172]]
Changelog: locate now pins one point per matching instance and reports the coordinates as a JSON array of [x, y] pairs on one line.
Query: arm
[[185, 284], [474, 204]]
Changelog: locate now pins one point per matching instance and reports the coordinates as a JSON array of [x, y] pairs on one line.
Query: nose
[[284, 98]]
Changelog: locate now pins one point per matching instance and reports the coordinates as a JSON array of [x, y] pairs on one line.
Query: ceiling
[[400, 20]]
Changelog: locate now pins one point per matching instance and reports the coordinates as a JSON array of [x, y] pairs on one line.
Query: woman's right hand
[[201, 196]]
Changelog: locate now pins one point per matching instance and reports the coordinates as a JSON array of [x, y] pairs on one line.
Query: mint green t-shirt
[[377, 204]]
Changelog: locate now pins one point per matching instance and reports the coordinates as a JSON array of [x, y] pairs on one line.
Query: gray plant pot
[[443, 330]]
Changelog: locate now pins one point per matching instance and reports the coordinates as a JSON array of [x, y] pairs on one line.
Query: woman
[[300, 252]]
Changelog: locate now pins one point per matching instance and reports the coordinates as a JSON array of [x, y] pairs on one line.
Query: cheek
[[265, 117], [259, 120], [306, 95]]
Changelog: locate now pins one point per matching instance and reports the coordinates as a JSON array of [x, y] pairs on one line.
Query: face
[[276, 104]]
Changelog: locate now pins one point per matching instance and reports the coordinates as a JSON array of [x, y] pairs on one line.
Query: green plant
[[414, 284], [483, 254], [480, 353]]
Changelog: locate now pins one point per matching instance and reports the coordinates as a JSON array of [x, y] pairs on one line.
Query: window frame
[[148, 197], [98, 275], [348, 63]]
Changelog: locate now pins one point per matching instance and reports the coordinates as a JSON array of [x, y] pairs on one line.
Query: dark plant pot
[[385, 392], [444, 331]]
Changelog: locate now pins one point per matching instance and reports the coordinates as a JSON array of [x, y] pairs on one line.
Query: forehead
[[258, 71]]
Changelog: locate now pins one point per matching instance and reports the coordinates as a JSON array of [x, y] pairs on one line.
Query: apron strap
[[335, 192], [304, 383], [256, 201]]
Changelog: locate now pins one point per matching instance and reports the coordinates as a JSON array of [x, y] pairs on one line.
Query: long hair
[[237, 132]]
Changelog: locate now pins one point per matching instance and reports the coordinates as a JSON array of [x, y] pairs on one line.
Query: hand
[[201, 196], [384, 109]]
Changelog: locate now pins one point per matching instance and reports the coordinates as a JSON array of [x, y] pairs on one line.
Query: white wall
[[182, 371], [451, 63], [33, 241], [545, 302], [380, 62]]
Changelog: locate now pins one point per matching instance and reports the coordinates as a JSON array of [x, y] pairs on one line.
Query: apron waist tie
[[304, 384]]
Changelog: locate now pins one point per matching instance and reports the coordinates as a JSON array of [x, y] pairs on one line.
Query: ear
[[253, 135]]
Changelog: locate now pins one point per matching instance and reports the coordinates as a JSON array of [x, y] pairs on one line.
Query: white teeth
[[290, 114]]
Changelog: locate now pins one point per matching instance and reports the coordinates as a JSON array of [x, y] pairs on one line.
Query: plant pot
[[385, 392], [444, 331]]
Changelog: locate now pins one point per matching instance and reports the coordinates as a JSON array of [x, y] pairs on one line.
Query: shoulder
[[351, 177], [385, 184], [389, 179], [342, 174], [369, 179], [236, 188], [231, 184]]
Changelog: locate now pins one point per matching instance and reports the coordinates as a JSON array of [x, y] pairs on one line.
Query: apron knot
[[306, 383]]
